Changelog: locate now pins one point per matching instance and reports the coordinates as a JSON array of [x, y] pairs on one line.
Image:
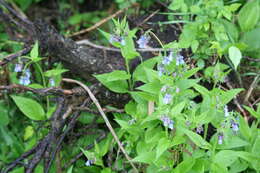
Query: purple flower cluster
[[167, 59], [179, 60], [143, 41], [118, 39], [167, 98], [25, 78], [167, 122], [18, 67]]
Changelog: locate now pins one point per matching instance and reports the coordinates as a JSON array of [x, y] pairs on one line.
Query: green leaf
[[70, 169], [34, 52], [234, 55], [115, 81], [151, 87], [29, 107], [252, 40], [178, 108], [146, 157], [197, 139], [117, 75], [229, 95], [252, 112], [162, 146], [248, 16], [54, 72], [139, 73], [225, 157], [185, 165], [28, 132]]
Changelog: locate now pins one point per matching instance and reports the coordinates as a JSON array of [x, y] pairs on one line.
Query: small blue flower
[[167, 59], [164, 88], [27, 73], [161, 70], [167, 122], [52, 82], [167, 98], [118, 39], [234, 126], [226, 111], [220, 138], [143, 41], [18, 67], [89, 162], [24, 80], [199, 129], [179, 60], [177, 90]]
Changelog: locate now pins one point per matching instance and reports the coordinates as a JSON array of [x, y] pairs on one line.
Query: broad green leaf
[[225, 157], [233, 142], [29, 107], [70, 169], [248, 16], [252, 112], [162, 146], [185, 165], [229, 95], [35, 51], [178, 108], [190, 72], [235, 56], [231, 30], [139, 73], [252, 40], [151, 87], [54, 72], [3, 114], [113, 81], [197, 139], [146, 157], [28, 132], [244, 128], [117, 75]]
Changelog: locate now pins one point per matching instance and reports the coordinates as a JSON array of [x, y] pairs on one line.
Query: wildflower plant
[[176, 132]]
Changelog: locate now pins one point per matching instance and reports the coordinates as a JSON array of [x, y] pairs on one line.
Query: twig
[[102, 21], [147, 18], [87, 42], [253, 59], [13, 56], [251, 88], [93, 98]]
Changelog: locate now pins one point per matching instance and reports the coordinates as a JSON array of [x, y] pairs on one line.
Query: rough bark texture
[[80, 59]]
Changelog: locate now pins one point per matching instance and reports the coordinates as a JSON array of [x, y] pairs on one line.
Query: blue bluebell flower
[[234, 126], [177, 90], [89, 162], [118, 39], [52, 82], [167, 59], [161, 70], [24, 80], [179, 60], [167, 98], [220, 138], [199, 129], [18, 67], [164, 88], [226, 111], [143, 41], [167, 122]]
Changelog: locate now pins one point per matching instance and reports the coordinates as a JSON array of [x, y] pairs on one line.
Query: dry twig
[[95, 101]]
